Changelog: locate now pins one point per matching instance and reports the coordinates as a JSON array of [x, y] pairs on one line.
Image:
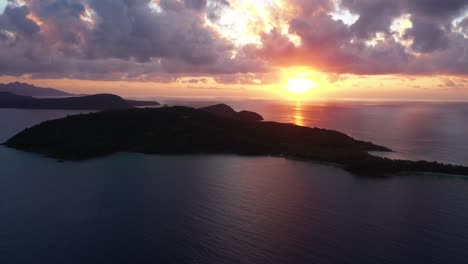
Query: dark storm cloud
[[427, 35], [195, 4], [15, 19], [59, 8], [375, 15], [175, 40], [435, 8], [132, 30], [431, 19], [463, 26]]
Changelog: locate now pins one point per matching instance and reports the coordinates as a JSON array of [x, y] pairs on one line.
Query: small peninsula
[[90, 102], [184, 130]]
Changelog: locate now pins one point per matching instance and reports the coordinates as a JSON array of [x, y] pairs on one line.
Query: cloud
[[429, 44], [427, 36], [165, 39], [14, 19], [59, 37], [463, 26]]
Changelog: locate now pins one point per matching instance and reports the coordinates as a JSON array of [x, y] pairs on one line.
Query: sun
[[300, 85]]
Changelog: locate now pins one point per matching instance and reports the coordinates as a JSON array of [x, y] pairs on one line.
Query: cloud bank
[[160, 40]]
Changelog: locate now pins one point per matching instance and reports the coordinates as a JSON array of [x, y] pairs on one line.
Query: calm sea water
[[414, 130], [132, 208]]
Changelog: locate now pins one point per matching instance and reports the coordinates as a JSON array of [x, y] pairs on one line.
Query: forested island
[[184, 130]]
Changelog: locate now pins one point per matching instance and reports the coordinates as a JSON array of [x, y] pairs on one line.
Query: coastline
[[183, 130]]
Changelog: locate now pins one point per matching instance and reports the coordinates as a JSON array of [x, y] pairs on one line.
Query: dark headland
[[183, 130], [90, 102]]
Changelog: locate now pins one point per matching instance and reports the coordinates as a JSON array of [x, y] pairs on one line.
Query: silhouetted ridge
[[227, 111], [7, 98], [90, 102], [31, 90], [249, 116], [142, 103], [183, 130]]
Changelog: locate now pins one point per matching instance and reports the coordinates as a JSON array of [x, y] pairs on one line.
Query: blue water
[[133, 208]]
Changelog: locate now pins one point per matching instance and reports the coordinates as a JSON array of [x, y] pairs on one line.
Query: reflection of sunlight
[[298, 117]]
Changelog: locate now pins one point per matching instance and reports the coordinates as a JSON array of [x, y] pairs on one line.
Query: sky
[[263, 49]]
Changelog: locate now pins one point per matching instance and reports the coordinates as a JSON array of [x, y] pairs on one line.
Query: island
[[227, 111], [90, 102], [184, 130]]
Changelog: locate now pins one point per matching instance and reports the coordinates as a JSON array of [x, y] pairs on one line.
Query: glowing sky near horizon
[[359, 49]]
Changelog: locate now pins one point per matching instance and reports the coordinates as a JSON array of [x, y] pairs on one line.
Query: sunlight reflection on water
[[298, 115]]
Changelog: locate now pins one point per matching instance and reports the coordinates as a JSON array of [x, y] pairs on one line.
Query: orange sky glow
[[261, 48]]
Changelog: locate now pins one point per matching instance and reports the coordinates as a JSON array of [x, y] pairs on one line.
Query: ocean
[[134, 208]]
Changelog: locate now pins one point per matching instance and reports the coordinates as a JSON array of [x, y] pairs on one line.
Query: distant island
[[227, 111], [31, 90], [91, 102], [184, 130]]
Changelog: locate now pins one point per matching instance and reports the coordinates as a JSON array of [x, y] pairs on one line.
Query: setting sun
[[300, 85]]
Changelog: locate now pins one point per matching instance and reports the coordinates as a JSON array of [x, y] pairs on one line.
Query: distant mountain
[[224, 110], [91, 102], [31, 90]]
